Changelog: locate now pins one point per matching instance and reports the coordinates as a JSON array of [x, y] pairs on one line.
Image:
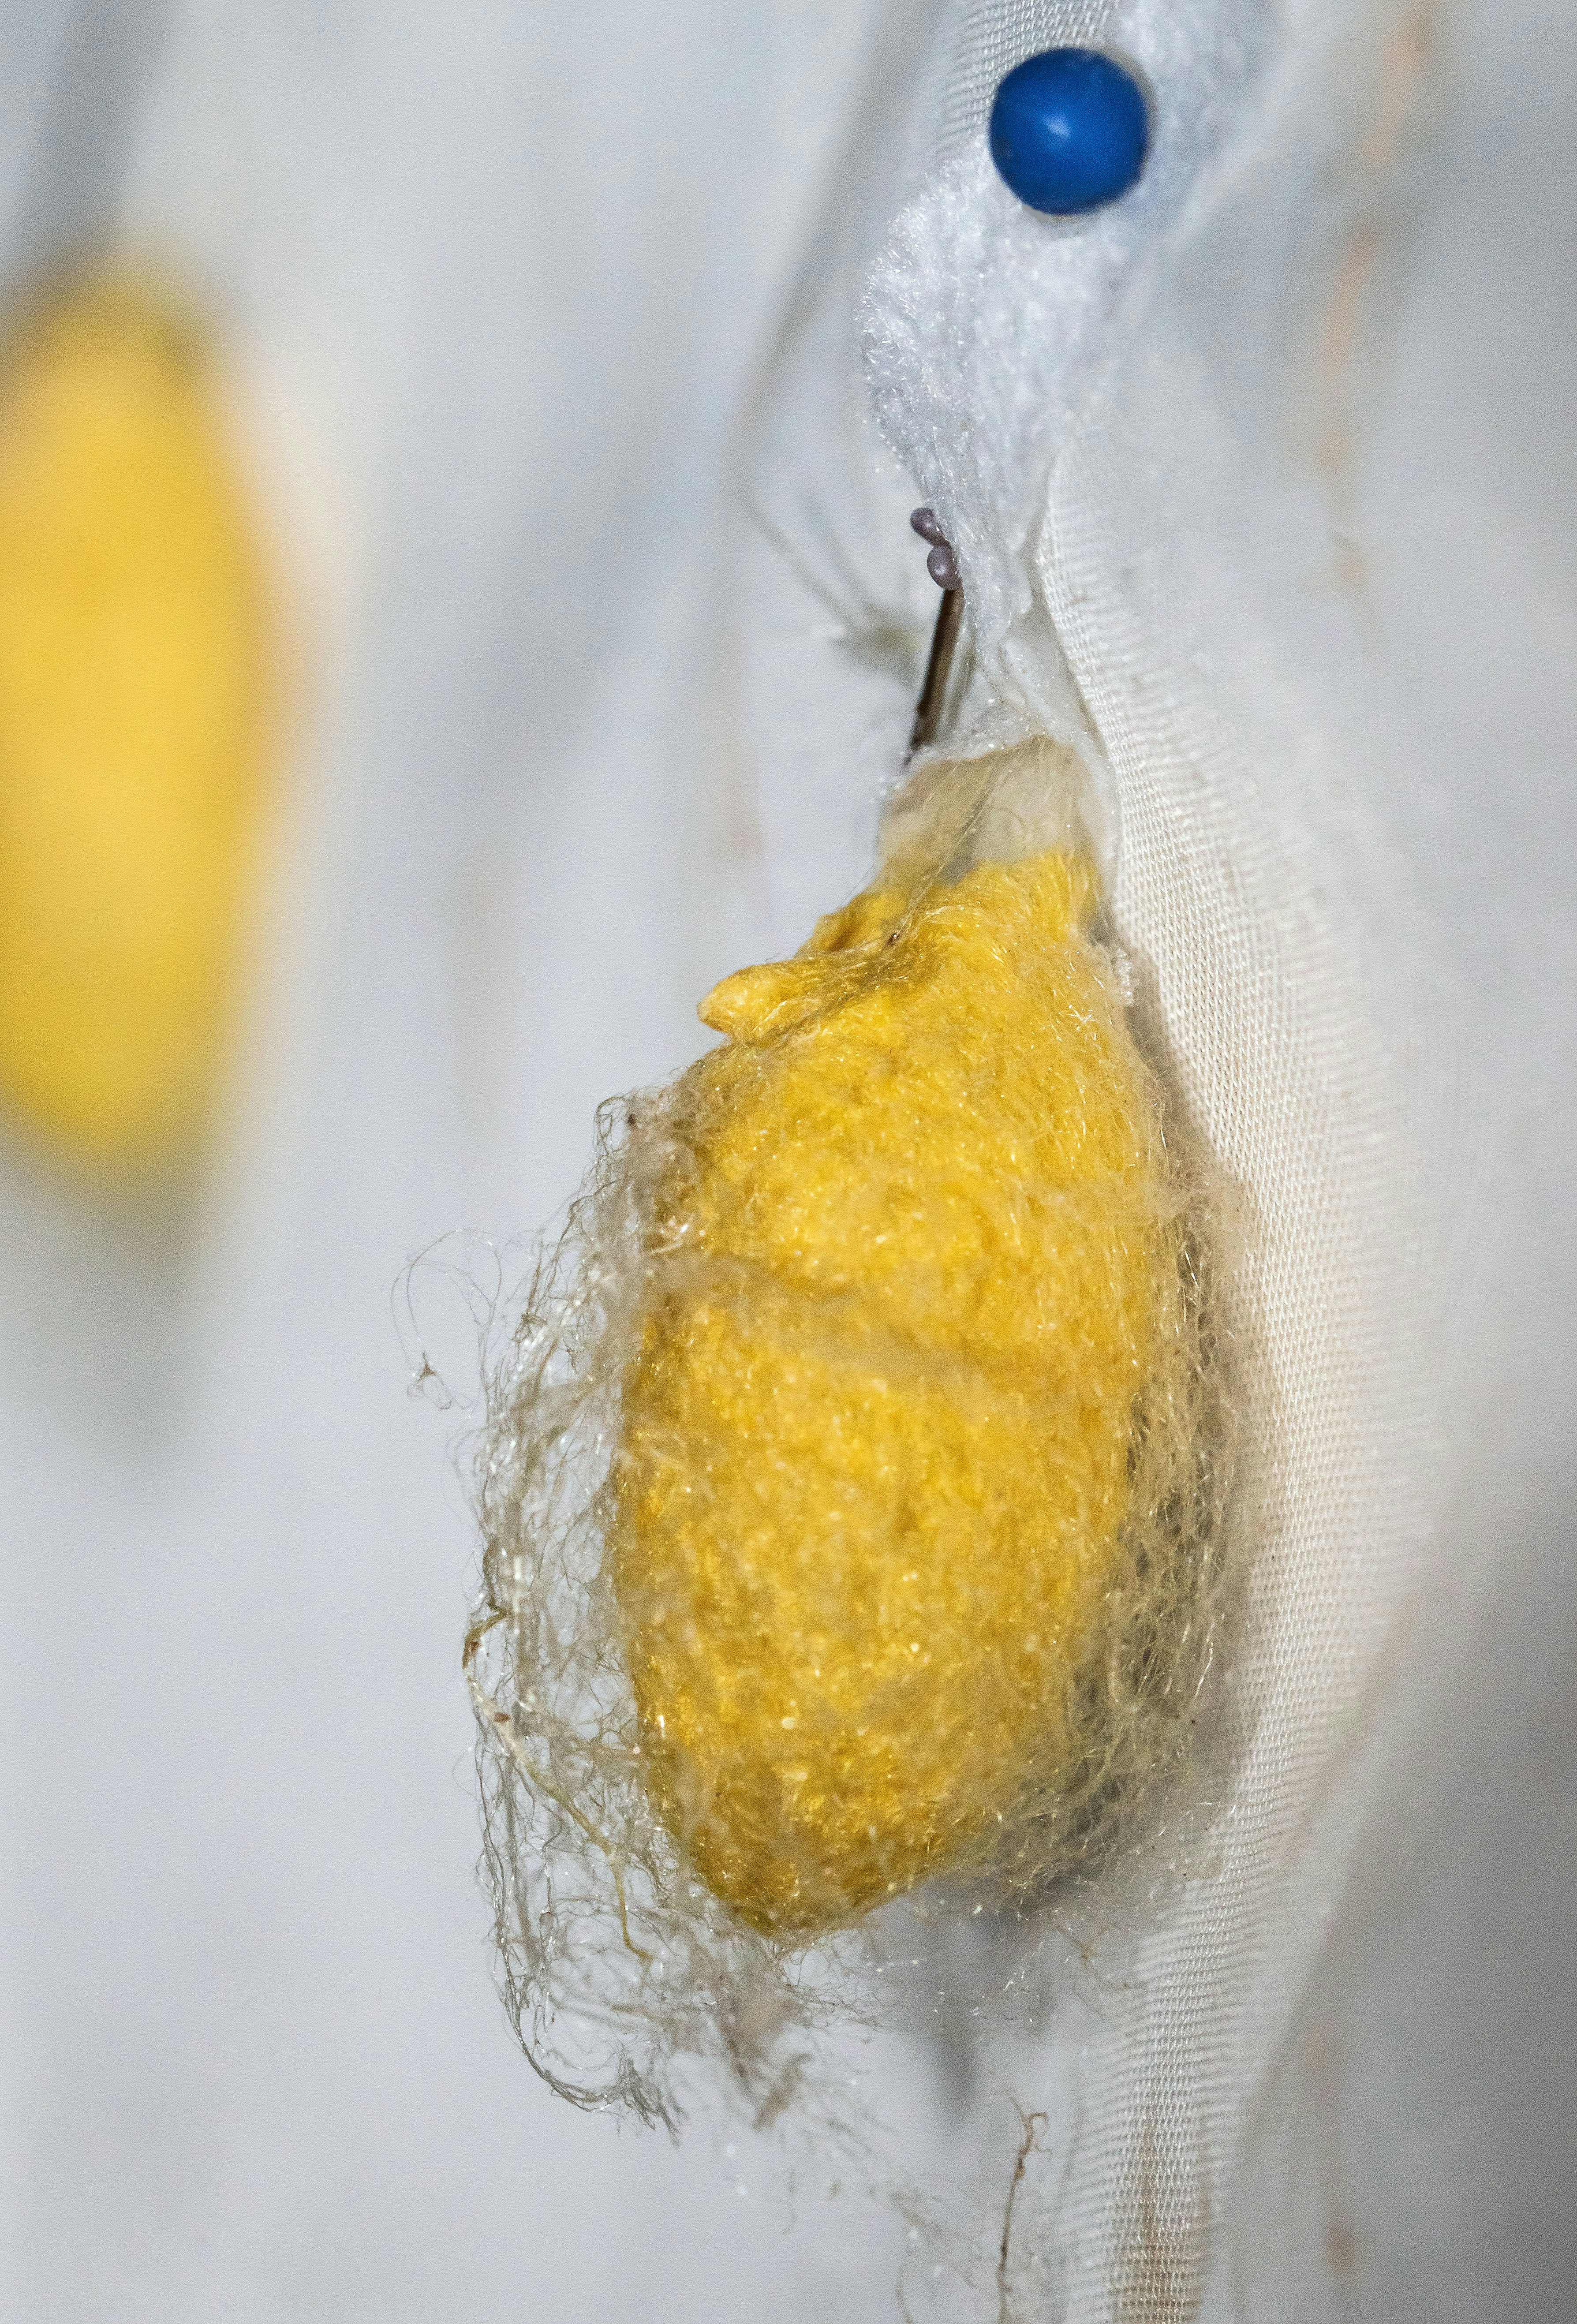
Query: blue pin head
[[1069, 130]]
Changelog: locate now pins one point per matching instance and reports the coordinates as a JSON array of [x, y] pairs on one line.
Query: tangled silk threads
[[849, 1506], [917, 1269]]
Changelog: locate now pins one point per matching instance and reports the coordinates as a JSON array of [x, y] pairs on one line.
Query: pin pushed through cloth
[[943, 568]]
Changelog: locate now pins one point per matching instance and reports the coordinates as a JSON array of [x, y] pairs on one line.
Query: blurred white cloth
[[503, 291], [495, 279]]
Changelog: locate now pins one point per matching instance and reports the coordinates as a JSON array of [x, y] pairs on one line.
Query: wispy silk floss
[[135, 682], [889, 1554]]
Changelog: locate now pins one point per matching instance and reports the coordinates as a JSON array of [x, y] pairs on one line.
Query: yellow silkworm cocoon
[[913, 1268], [135, 686]]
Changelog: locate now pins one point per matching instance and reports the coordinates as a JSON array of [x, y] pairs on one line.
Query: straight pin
[[943, 569]]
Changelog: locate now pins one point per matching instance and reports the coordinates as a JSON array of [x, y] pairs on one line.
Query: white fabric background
[[498, 277], [501, 289], [1281, 453]]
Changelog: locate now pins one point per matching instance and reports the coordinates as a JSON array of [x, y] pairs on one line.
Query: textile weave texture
[[1199, 461]]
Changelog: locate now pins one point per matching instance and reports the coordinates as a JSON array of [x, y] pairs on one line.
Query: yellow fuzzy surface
[[133, 696], [916, 1261]]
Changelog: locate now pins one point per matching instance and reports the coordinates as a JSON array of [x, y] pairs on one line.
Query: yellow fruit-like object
[[134, 687], [915, 1260]]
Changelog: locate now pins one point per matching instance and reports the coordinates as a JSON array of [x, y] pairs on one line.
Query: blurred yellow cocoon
[[137, 689]]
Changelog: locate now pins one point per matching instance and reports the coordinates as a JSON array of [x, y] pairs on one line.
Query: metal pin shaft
[[944, 571], [943, 639]]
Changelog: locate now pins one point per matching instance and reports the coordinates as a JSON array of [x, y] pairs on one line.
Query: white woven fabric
[[1294, 524], [495, 278], [1251, 483]]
